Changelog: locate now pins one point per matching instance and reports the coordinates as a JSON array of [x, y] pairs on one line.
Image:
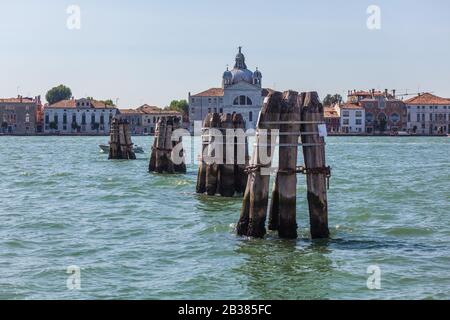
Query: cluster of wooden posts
[[120, 145], [290, 116], [295, 119], [223, 143], [167, 155]]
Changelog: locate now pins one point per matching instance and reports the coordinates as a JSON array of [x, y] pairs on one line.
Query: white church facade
[[241, 92]]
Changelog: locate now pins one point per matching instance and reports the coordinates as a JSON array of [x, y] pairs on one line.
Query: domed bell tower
[[227, 78], [257, 78]]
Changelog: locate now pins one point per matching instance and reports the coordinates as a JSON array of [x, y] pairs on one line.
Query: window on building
[[27, 118], [395, 118], [346, 113], [83, 119], [346, 121], [358, 122], [102, 119], [369, 117], [418, 117], [93, 119], [359, 114], [221, 110], [242, 101], [250, 116], [64, 118]]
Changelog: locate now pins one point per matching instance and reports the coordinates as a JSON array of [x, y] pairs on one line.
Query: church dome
[[241, 75]]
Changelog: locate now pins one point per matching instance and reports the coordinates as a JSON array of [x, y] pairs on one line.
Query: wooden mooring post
[[201, 176], [256, 196], [240, 154], [223, 143], [294, 115], [317, 173], [120, 145], [162, 156], [282, 214]]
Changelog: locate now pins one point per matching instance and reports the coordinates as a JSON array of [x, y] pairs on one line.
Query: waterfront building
[[78, 116], [134, 118], [352, 118], [241, 92], [19, 115], [384, 113], [143, 120], [428, 114], [332, 119]]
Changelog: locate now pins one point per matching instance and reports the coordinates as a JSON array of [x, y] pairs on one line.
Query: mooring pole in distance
[[178, 145], [201, 176], [120, 144], [128, 144], [212, 168], [114, 139], [314, 156], [160, 144], [168, 146]]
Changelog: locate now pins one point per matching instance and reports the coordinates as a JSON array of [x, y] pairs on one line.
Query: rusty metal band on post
[[310, 171]]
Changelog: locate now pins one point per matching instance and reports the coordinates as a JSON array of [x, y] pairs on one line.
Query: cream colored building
[[143, 119], [78, 116], [428, 114]]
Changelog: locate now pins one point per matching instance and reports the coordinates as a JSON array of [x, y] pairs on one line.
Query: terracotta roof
[[350, 106], [428, 98], [213, 92], [163, 112], [330, 112], [72, 103], [17, 100], [148, 109], [130, 111]]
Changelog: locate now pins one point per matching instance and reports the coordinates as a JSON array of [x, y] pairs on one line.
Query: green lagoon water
[[143, 236]]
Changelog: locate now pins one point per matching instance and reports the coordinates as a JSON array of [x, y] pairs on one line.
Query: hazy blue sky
[[156, 51]]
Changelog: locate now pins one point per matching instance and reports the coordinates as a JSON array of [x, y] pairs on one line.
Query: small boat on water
[[105, 148]]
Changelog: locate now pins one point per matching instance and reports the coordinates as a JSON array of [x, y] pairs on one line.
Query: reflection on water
[[277, 269]]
